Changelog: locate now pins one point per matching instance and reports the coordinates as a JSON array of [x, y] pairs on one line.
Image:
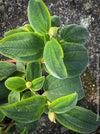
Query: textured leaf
[[33, 71], [64, 104], [11, 32], [39, 16], [75, 58], [37, 84], [27, 95], [29, 28], [27, 110], [55, 21], [56, 88], [20, 70], [20, 66], [6, 69], [53, 55], [1, 116], [13, 97], [17, 84], [74, 33], [25, 46], [30, 127], [4, 92], [79, 119]]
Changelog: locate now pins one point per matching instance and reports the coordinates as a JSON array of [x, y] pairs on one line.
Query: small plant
[[40, 46]]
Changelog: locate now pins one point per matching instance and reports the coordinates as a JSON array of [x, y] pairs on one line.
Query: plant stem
[[8, 128]]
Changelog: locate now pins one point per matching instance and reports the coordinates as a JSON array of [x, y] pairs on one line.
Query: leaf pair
[[61, 65], [73, 117], [18, 84], [62, 87]]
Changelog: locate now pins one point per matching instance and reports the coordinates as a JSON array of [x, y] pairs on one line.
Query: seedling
[[25, 94]]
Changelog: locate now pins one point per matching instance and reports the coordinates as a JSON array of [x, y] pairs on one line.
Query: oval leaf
[[79, 119], [33, 71], [64, 104], [56, 88], [75, 58], [13, 97], [27, 110], [4, 92], [1, 116], [30, 127], [6, 69], [11, 32], [53, 55], [74, 33], [39, 16], [27, 94], [25, 46], [17, 84], [55, 21], [37, 84]]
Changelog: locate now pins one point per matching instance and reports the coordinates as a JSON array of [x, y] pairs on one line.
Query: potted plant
[[25, 94]]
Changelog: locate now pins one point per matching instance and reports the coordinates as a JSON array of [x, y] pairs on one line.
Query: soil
[[13, 14]]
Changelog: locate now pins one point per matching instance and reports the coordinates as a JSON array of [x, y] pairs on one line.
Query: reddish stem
[[13, 61]]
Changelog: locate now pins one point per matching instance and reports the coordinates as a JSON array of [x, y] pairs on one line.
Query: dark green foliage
[[74, 33], [55, 21], [34, 92], [6, 69]]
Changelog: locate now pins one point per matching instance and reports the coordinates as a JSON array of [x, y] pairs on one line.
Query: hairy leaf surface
[[27, 110], [64, 104], [62, 87], [74, 33], [17, 84], [53, 58], [6, 69], [33, 71], [13, 97], [37, 84], [75, 58], [25, 46], [39, 16], [79, 119]]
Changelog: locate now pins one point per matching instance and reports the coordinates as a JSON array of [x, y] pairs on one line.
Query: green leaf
[[74, 33], [6, 69], [30, 127], [53, 55], [17, 84], [13, 97], [37, 84], [4, 92], [79, 119], [24, 131], [29, 28], [20, 66], [26, 111], [56, 88], [1, 116], [33, 71], [39, 16], [64, 104], [55, 21], [27, 95], [25, 46], [11, 32], [75, 58], [20, 70]]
